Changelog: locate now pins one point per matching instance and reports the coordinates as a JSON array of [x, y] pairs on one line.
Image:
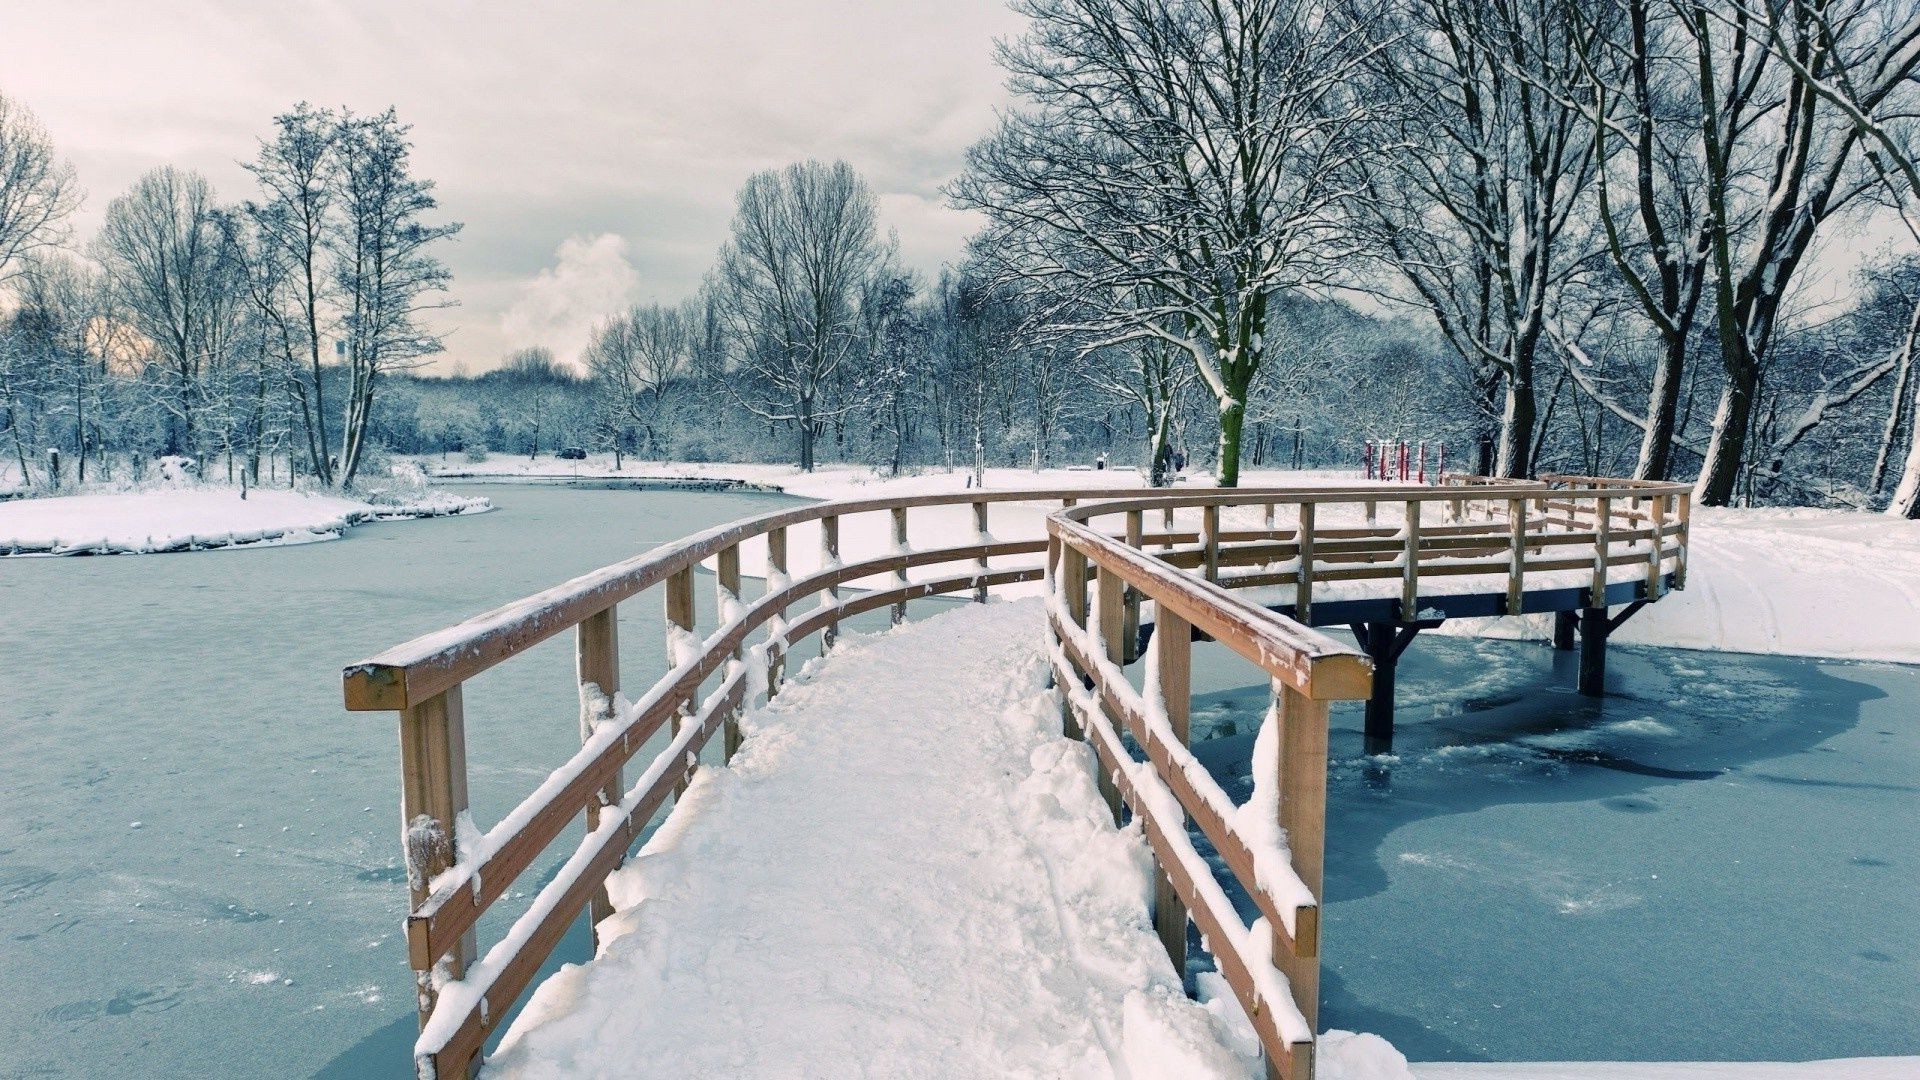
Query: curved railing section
[[1481, 545], [456, 872], [1116, 560]]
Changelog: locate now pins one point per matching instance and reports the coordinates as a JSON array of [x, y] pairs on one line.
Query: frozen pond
[[199, 867], [1719, 862]]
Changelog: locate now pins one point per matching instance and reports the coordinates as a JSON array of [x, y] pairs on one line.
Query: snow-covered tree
[[1171, 166]]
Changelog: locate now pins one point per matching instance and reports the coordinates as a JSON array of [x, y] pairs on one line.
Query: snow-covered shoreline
[[205, 517]]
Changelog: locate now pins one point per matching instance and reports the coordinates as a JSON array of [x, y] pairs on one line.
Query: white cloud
[[590, 279]]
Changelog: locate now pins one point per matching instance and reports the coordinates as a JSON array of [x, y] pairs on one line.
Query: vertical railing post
[[1656, 525], [777, 580], [900, 550], [433, 795], [726, 577], [1303, 814], [597, 659], [1073, 595], [1517, 556], [1171, 649], [680, 642], [1410, 573], [980, 527], [1682, 515], [1136, 529], [1210, 541], [830, 561], [1303, 578], [1602, 542], [1113, 621]]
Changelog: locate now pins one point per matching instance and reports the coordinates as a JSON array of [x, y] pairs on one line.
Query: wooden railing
[[1106, 564], [1333, 536], [1277, 859], [711, 672]]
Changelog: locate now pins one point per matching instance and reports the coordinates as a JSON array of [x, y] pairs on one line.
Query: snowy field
[[200, 516]]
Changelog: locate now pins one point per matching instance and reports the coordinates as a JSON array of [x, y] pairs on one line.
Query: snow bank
[[906, 871], [196, 517]]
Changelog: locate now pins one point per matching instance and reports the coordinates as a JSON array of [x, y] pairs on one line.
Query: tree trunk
[[1233, 417], [1727, 449], [1663, 404], [1516, 426]]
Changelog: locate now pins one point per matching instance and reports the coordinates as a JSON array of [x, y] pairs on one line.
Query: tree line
[[245, 331], [1581, 236]]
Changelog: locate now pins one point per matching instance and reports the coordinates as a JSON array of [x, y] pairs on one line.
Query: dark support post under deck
[[1563, 623], [1593, 651], [1384, 642]]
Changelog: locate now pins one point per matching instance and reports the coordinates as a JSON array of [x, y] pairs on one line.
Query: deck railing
[[456, 872], [1379, 537]]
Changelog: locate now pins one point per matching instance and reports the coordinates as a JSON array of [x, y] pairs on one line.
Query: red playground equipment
[[1400, 461]]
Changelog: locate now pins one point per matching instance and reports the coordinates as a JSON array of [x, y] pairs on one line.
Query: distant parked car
[[572, 453]]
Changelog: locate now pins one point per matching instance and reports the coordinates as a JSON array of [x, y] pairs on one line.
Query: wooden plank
[[680, 617], [830, 557], [1683, 514], [726, 585], [1303, 579], [1113, 620], [1172, 660], [433, 794], [1516, 554], [1410, 571], [1602, 541], [1130, 633], [900, 545], [1303, 814], [597, 662], [776, 564], [1657, 515], [980, 526], [1210, 540]]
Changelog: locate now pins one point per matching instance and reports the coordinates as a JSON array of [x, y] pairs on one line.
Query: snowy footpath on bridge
[[906, 872]]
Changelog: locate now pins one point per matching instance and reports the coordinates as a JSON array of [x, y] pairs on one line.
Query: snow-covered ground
[[906, 872], [200, 516]]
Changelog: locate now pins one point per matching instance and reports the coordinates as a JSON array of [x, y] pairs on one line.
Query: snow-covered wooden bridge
[[905, 861]]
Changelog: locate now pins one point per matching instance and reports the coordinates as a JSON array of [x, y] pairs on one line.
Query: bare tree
[[1172, 166], [804, 242], [1485, 159], [292, 288], [635, 359], [388, 274], [37, 190], [177, 275], [1816, 77]]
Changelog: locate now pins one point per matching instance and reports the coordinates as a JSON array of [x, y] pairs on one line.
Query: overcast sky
[[592, 149]]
